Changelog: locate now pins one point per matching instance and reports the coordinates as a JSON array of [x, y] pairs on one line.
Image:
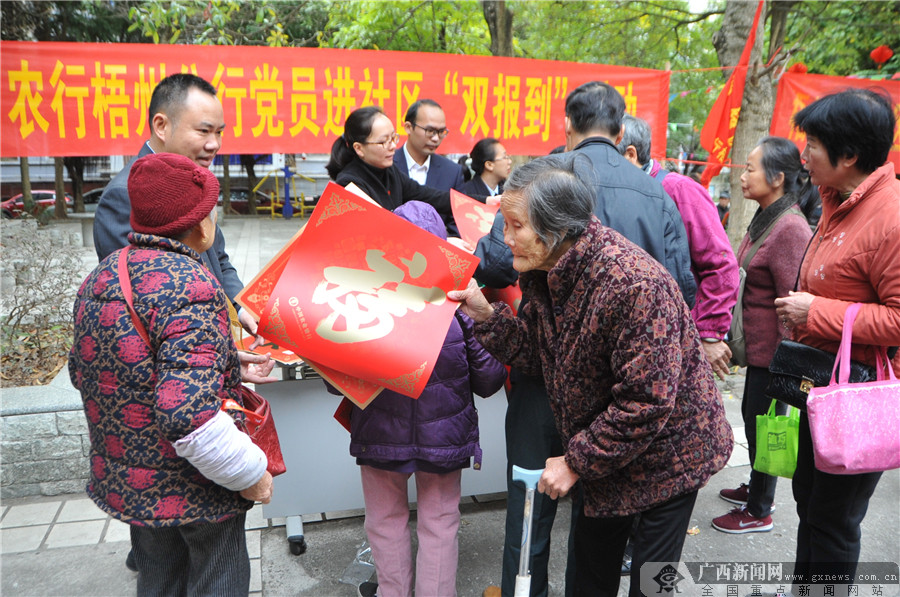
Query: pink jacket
[[712, 260], [855, 257], [771, 273]]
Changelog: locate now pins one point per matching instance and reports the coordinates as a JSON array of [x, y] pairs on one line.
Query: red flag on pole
[[717, 135]]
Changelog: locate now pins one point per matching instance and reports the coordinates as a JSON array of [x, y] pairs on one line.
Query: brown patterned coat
[[632, 394]]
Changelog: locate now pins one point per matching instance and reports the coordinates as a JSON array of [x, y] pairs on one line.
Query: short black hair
[[357, 128], [595, 106], [854, 122], [413, 111], [483, 151], [171, 93]]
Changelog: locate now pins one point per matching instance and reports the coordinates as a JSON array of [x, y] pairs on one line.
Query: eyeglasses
[[386, 143], [431, 132], [502, 157]]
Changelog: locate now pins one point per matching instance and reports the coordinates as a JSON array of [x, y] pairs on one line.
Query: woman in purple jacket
[[774, 179], [435, 437]]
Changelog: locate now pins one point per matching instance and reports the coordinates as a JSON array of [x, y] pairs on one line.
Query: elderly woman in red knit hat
[[153, 358]]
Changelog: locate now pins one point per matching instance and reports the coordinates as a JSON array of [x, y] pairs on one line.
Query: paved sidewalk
[[66, 546]]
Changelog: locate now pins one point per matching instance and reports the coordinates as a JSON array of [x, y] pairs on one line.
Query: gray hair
[[637, 133], [557, 196]]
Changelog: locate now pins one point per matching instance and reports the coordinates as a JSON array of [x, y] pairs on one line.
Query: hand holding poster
[[363, 292], [473, 218]]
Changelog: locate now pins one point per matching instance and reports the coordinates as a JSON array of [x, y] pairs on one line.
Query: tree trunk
[[59, 210], [249, 162], [499, 20], [756, 107], [75, 170], [779, 10], [27, 199], [226, 185]]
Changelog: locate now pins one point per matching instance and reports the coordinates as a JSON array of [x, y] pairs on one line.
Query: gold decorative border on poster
[[405, 382], [457, 266], [275, 329], [339, 206]]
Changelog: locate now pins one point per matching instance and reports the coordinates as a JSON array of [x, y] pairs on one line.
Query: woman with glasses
[[364, 155], [491, 165]]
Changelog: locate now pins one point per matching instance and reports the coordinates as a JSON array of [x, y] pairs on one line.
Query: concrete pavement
[[65, 546]]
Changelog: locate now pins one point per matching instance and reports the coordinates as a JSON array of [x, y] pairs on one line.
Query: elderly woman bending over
[[633, 396]]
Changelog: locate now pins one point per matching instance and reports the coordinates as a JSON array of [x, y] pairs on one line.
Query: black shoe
[[130, 563], [367, 589]]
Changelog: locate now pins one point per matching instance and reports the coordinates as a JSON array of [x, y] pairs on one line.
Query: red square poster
[[255, 294], [473, 218], [364, 293]]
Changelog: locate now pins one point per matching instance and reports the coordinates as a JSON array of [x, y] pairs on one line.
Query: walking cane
[[530, 479]]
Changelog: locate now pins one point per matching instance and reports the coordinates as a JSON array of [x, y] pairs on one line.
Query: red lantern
[[881, 54], [798, 67]]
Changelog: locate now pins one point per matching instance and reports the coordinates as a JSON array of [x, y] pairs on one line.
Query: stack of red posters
[[360, 295]]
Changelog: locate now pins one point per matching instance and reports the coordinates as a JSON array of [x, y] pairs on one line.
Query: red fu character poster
[[473, 218], [254, 297], [364, 292]]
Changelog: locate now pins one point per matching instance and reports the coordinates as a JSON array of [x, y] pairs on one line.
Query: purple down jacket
[[438, 432]]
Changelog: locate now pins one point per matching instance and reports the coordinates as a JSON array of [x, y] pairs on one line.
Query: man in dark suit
[[426, 127], [186, 118]]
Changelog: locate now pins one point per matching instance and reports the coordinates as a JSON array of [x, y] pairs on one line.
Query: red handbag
[[260, 426], [257, 423]]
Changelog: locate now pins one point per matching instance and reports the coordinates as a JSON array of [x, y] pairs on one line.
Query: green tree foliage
[[646, 34], [842, 34], [230, 22], [94, 21], [447, 26]]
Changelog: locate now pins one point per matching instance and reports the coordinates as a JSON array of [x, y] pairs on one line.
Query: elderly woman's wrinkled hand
[[793, 309], [261, 491], [255, 368], [557, 478], [719, 356], [473, 302]]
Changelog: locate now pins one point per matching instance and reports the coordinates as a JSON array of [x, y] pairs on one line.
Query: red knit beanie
[[170, 194]]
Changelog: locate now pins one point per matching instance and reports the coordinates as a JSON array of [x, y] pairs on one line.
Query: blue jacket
[[443, 174], [637, 207], [112, 225], [476, 189]]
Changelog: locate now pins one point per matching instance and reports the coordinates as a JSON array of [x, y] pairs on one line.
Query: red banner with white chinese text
[[796, 91], [86, 99]]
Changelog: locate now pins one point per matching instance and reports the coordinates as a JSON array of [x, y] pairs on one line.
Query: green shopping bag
[[777, 437]]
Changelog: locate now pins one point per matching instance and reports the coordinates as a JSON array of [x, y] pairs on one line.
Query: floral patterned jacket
[[631, 391], [139, 402]]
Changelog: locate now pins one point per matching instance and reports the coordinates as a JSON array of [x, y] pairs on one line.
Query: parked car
[[239, 196], [93, 196], [13, 207]]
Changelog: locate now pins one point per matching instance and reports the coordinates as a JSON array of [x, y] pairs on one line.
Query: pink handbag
[[855, 427]]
